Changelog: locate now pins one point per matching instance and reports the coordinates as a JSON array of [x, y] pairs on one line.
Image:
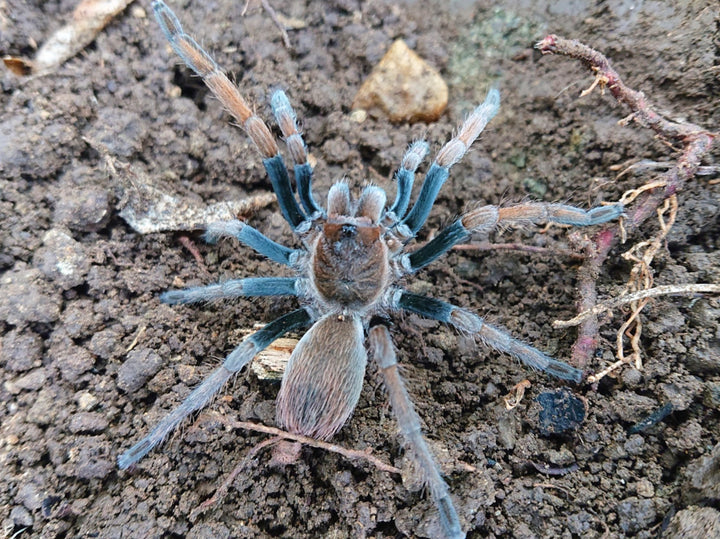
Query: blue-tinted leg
[[487, 218], [303, 177], [406, 177], [450, 154], [280, 180], [287, 120], [438, 246], [203, 64], [199, 398], [235, 288], [434, 180], [247, 235], [492, 336]]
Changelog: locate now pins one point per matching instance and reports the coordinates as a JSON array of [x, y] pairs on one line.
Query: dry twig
[[664, 290], [352, 454], [278, 435], [695, 142]]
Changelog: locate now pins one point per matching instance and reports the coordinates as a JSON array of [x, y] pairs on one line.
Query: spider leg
[[287, 120], [252, 238], [406, 176], [489, 217], [492, 336], [201, 395], [450, 154], [202, 63], [410, 427], [250, 287]]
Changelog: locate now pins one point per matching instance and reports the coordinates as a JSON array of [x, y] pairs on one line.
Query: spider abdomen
[[324, 377]]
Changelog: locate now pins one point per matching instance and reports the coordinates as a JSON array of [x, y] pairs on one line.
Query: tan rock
[[403, 87]]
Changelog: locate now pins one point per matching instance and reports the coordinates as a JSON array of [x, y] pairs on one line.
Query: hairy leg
[[487, 218], [202, 63], [450, 154], [234, 288], [406, 176], [287, 120], [199, 398], [247, 235], [409, 424], [496, 338]]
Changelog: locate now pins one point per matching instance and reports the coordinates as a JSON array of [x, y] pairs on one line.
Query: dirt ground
[[79, 288]]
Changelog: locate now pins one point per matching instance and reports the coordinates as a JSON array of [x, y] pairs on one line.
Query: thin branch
[[221, 492], [695, 142], [487, 246], [352, 454], [664, 290]]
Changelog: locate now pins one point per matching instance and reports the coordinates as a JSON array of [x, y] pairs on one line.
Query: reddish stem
[[696, 142]]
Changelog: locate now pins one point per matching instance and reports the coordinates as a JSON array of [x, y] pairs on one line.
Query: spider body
[[348, 271]]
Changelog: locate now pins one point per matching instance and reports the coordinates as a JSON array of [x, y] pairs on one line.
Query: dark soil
[[79, 288]]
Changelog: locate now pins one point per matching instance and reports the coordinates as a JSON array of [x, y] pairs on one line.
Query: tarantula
[[348, 271]]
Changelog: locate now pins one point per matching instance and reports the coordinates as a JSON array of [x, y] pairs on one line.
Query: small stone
[[88, 422], [645, 488], [702, 314], [358, 116], [561, 457], [86, 401], [32, 381], [104, 343], [561, 411], [89, 458], [711, 395], [703, 477], [404, 87], [507, 425], [23, 298], [19, 350], [62, 259], [21, 516], [631, 377], [140, 365], [83, 208], [73, 361], [120, 131], [705, 360], [188, 374], [694, 522], [30, 496], [79, 319], [635, 514], [44, 409]]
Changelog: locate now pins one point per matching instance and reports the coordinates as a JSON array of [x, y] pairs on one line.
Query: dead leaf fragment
[[404, 87], [148, 209], [270, 363], [88, 19], [512, 399]]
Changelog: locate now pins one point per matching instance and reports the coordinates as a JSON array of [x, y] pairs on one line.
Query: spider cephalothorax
[[349, 262], [348, 271]]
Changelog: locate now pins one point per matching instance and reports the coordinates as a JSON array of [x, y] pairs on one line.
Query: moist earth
[[90, 358]]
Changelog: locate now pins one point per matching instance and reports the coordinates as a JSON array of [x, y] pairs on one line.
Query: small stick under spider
[[487, 246], [222, 490], [190, 246], [278, 435], [274, 18]]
